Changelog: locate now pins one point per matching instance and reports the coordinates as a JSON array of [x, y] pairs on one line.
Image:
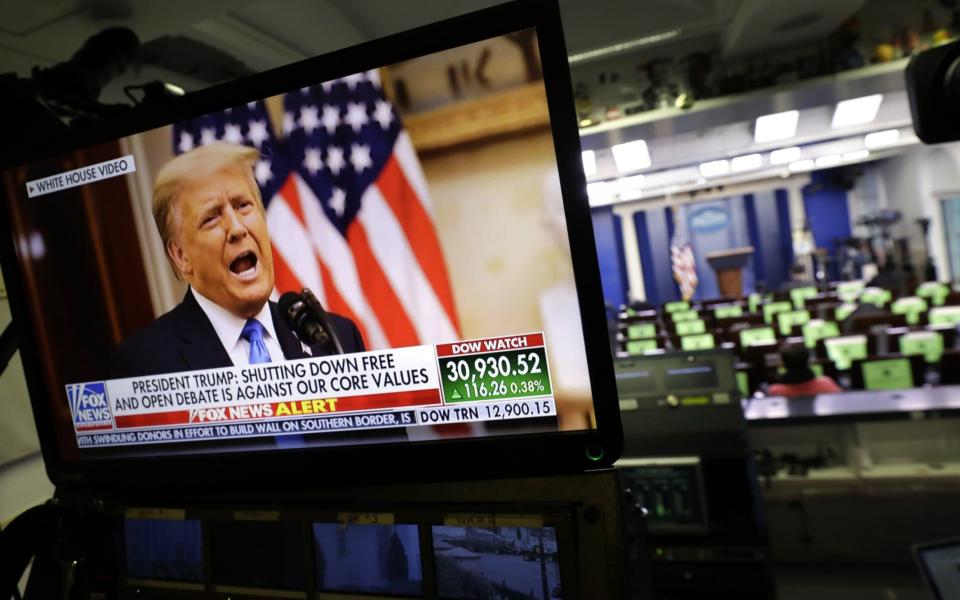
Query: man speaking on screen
[[211, 219]]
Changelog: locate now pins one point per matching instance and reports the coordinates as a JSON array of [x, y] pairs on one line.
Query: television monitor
[[939, 564], [787, 319], [690, 327], [927, 343], [772, 308], [343, 556], [324, 175], [642, 331], [819, 329], [844, 350], [944, 315], [689, 378], [800, 295], [887, 374], [730, 310], [702, 341], [757, 335], [163, 547]]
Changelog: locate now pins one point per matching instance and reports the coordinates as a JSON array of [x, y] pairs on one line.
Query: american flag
[[348, 208], [681, 255]]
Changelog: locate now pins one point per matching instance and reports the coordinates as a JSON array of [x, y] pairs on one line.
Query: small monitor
[[927, 343], [844, 350], [819, 329], [939, 564], [727, 311], [684, 315], [887, 374], [638, 347], [944, 315], [368, 558], [244, 553], [690, 327], [773, 308], [703, 341], [787, 319], [800, 295], [757, 335], [518, 561], [641, 331], [679, 305], [164, 549]]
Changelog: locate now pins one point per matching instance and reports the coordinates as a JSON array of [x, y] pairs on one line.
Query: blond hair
[[191, 165]]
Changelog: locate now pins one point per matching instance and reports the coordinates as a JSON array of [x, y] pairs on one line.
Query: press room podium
[[728, 265]]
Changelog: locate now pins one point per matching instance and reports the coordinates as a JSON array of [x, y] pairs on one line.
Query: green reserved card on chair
[[690, 327], [639, 347], [672, 307], [641, 331], [704, 341]]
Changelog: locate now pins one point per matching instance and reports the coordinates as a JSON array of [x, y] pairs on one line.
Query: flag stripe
[[406, 155], [335, 303], [336, 255], [395, 257], [294, 247], [380, 294], [420, 233]]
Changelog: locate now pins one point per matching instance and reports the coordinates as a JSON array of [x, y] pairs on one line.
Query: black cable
[[9, 344]]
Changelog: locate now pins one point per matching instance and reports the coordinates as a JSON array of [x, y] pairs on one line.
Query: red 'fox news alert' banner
[[369, 390]]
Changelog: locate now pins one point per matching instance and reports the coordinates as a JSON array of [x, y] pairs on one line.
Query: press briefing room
[[480, 300]]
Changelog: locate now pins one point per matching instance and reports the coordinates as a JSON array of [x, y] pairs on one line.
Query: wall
[[913, 183]]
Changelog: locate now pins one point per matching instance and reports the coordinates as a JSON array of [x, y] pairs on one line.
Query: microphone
[[309, 320]]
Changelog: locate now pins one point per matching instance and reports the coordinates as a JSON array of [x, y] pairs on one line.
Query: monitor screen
[[941, 568], [368, 558], [453, 283], [891, 374], [164, 549], [474, 563]]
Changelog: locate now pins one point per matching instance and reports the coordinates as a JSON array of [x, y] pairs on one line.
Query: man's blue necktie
[[253, 332]]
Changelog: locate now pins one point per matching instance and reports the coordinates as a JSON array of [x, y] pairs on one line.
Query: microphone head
[[288, 303]]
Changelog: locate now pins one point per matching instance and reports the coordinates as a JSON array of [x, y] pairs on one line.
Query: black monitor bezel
[[562, 452]]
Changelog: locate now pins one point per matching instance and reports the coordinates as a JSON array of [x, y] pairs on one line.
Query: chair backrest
[[928, 344], [892, 372], [844, 350]]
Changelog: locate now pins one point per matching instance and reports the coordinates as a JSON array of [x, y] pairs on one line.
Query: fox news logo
[[90, 406]]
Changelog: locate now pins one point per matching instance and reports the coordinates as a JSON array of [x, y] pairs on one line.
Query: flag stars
[[289, 123], [208, 135], [232, 133], [383, 114], [335, 161], [338, 201], [262, 171], [312, 161], [353, 80], [309, 119], [186, 142], [258, 132], [331, 118], [356, 116], [360, 157]]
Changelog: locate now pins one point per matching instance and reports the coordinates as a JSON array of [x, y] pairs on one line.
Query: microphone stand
[[314, 304]]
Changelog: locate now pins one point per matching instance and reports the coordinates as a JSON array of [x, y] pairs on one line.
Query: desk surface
[[846, 405]]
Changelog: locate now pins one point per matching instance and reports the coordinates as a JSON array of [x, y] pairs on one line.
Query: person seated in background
[[798, 278], [799, 379], [892, 278]]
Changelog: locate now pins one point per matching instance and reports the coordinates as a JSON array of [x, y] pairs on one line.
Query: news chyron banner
[[489, 379]]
